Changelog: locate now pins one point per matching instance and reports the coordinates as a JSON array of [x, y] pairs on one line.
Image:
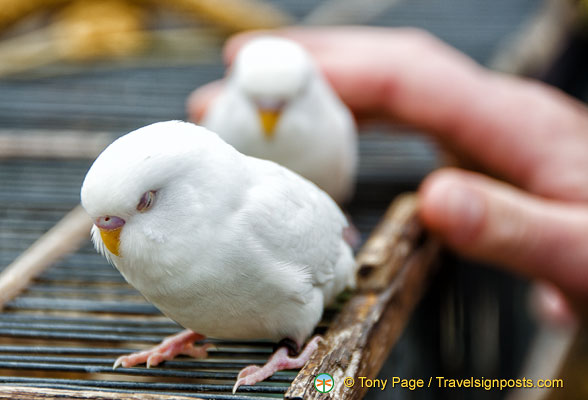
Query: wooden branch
[[29, 393], [371, 322], [394, 238], [66, 236]]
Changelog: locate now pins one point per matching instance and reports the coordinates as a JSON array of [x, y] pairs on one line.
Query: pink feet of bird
[[278, 361], [181, 343]]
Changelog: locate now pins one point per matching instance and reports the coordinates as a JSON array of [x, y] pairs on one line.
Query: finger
[[200, 99], [491, 221], [407, 75]]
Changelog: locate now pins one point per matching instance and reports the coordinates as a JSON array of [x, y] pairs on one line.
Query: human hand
[[528, 134]]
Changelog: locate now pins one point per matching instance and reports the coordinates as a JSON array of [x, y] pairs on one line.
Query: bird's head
[[271, 72], [140, 189]]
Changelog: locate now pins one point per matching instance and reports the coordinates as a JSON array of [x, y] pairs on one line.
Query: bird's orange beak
[[269, 119], [111, 239]]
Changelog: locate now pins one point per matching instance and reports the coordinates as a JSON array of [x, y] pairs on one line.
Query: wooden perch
[[60, 240], [394, 238], [371, 322]]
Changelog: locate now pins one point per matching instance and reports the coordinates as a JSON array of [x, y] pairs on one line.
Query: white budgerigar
[[276, 105], [227, 245]]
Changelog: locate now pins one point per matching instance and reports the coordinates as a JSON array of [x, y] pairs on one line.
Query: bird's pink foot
[[278, 361], [180, 343]]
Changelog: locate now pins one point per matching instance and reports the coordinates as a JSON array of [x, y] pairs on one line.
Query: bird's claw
[[245, 377], [236, 385], [151, 362], [241, 381], [133, 359], [118, 362]]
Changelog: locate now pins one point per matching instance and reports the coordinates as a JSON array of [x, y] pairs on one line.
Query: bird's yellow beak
[[111, 239], [269, 119], [110, 227]]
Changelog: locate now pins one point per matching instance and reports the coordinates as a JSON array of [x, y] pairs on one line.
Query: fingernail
[[463, 209]]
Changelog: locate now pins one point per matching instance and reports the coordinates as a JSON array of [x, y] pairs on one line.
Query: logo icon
[[323, 383]]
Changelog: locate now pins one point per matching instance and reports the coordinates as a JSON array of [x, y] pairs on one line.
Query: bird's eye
[[146, 201]]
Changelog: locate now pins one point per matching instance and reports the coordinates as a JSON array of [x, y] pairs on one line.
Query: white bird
[[228, 246], [276, 105]]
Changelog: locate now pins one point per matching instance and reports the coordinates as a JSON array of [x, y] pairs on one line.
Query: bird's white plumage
[[233, 246], [315, 135]]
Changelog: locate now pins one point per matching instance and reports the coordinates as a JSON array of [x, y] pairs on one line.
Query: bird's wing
[[297, 221]]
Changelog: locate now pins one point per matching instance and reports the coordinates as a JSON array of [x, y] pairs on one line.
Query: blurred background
[[74, 75]]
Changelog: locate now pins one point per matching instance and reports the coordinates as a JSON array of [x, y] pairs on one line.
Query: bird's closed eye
[[146, 201]]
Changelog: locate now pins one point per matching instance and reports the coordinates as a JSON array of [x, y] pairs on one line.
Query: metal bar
[[43, 303], [87, 328], [63, 290], [59, 392], [151, 322], [117, 351], [177, 386], [169, 373], [83, 336], [209, 363]]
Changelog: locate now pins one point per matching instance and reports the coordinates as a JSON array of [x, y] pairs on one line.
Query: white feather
[[233, 246], [315, 135]]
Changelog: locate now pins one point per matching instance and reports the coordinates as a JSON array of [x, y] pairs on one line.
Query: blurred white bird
[[227, 245], [276, 105]]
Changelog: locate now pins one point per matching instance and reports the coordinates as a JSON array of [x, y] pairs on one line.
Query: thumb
[[491, 221]]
